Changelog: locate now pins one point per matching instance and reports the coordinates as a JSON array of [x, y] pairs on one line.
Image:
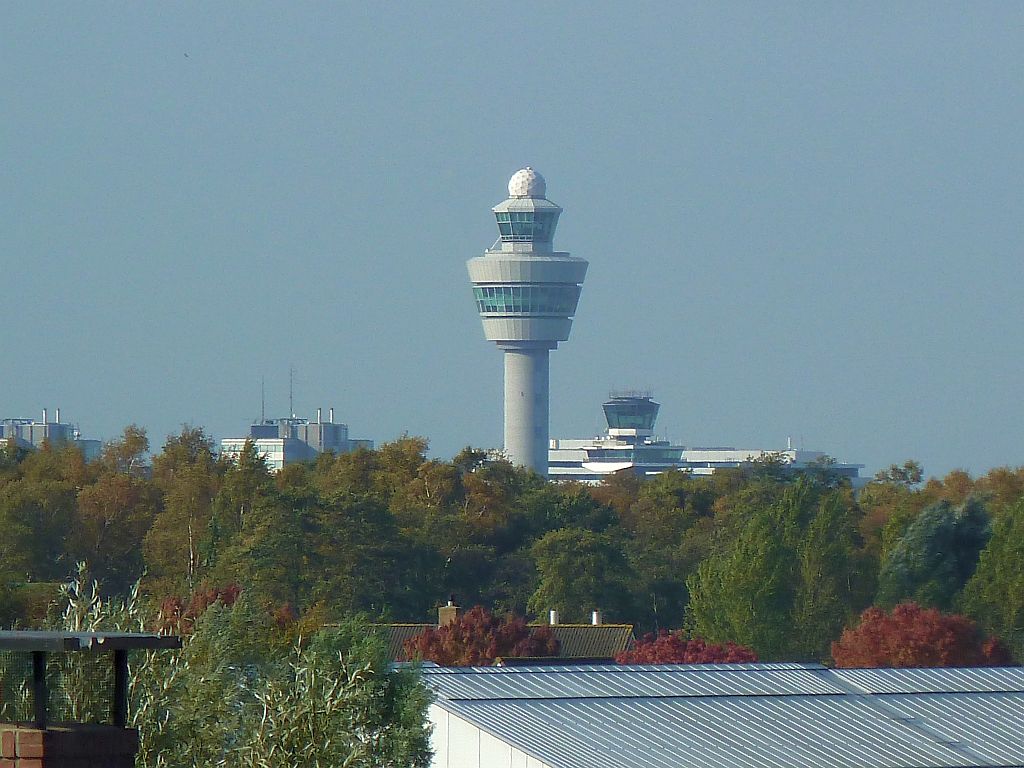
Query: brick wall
[[73, 746]]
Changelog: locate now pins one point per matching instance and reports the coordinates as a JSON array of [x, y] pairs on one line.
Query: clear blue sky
[[804, 219]]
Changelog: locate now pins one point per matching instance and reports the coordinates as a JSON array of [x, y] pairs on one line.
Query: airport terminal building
[[629, 444]]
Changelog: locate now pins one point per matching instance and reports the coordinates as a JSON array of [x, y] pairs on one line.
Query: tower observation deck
[[526, 294]]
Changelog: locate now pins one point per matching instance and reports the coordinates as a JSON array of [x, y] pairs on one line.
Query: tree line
[[778, 563]]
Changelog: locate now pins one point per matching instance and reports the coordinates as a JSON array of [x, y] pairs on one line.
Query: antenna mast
[[263, 399], [291, 391]]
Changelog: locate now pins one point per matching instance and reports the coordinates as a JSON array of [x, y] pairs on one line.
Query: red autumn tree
[[179, 616], [912, 636], [478, 638], [675, 648]]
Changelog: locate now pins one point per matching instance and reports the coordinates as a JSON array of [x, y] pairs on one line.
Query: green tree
[[665, 526], [397, 464], [247, 482], [114, 515], [188, 475], [11, 457], [936, 556], [125, 454], [908, 474], [550, 507], [744, 594], [36, 517], [580, 571], [1002, 487], [355, 558], [994, 596], [242, 694], [619, 490], [828, 569], [346, 473], [268, 555], [785, 583], [336, 703]]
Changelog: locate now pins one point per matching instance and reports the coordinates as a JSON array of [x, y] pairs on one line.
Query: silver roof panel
[[735, 716]]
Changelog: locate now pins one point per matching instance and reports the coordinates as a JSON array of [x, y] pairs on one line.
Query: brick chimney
[[68, 746], [446, 614]]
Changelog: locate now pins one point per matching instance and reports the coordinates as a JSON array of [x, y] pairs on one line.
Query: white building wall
[[272, 449], [460, 744]]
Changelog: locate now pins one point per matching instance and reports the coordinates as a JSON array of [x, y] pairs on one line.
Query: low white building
[[725, 716]]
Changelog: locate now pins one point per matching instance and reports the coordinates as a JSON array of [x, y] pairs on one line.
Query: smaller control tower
[[526, 294]]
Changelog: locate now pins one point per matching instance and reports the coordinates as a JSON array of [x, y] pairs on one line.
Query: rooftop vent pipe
[[552, 617]]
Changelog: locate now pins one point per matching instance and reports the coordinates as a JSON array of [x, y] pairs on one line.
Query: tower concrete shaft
[[526, 294], [526, 406]]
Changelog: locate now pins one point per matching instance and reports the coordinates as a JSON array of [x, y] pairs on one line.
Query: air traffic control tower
[[526, 294]]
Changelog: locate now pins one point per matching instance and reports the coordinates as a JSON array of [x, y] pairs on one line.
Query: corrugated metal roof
[[612, 668], [633, 682], [934, 680], [734, 716]]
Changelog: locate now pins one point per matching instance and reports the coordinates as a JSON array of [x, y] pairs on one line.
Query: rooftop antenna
[[263, 399], [291, 390]]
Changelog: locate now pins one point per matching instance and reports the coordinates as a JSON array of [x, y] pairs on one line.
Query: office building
[[526, 294], [285, 441], [630, 444], [31, 434]]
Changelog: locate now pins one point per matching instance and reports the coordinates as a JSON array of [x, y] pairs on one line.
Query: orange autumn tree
[[478, 637], [912, 636]]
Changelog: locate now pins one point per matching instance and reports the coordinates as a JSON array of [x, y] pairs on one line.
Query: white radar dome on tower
[[526, 183]]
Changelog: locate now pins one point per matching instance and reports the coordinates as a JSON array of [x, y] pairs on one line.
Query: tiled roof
[[591, 641], [398, 634], [576, 641], [743, 715]]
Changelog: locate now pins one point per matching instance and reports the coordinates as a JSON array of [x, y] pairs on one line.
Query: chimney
[[318, 410], [552, 617], [447, 614], [330, 416], [57, 417], [595, 618], [44, 415]]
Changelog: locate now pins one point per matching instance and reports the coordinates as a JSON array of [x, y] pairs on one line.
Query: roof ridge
[[581, 624]]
